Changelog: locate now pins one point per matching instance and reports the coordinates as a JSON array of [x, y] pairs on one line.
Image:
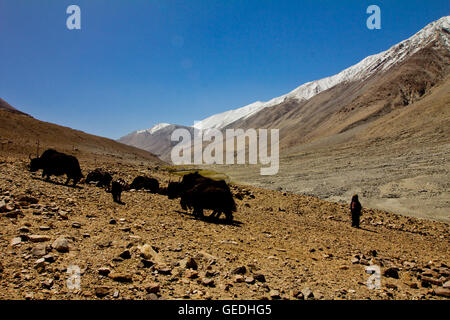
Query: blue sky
[[136, 63]]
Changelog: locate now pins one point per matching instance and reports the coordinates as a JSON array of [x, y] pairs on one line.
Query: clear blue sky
[[135, 63]]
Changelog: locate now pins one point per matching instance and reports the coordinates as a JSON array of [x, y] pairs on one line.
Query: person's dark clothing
[[355, 209]]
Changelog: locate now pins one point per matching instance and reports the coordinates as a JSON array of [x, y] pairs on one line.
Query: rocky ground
[[280, 246]]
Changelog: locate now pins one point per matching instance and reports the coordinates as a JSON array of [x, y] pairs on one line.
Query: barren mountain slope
[[281, 245], [20, 133], [349, 105], [6, 106], [398, 163], [159, 141]]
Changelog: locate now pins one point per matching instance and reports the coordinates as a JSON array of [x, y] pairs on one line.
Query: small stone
[[102, 291], [391, 273], [274, 294], [49, 258], [44, 228], [239, 278], [15, 241], [431, 281], [104, 271], [164, 269], [152, 287], [446, 285], [239, 270], [61, 244], [191, 274], [63, 215], [39, 238], [24, 229], [47, 283], [121, 277], [3, 206], [307, 293], [249, 280], [147, 263], [443, 292], [189, 263], [259, 277], [413, 285], [151, 296], [39, 250], [391, 286], [76, 225], [208, 282], [39, 263], [112, 221], [125, 254]]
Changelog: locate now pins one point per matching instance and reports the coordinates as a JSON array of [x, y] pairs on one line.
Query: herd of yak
[[195, 191]]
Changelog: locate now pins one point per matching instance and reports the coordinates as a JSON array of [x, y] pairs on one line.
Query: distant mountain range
[[356, 96]]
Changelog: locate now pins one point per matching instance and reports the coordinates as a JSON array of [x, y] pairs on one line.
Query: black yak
[[200, 193], [209, 196], [56, 163], [146, 183], [102, 177]]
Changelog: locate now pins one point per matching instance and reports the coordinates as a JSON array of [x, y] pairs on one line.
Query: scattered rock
[[274, 294], [121, 277], [61, 244], [102, 291], [104, 271], [259, 277], [152, 287], [191, 274], [307, 293], [443, 292], [76, 225], [249, 280], [39, 250], [47, 283], [125, 254], [207, 282], [49, 258], [39, 238], [189, 263], [15, 241], [391, 273], [239, 270]]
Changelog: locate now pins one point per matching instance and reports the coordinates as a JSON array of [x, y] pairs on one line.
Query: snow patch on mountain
[[153, 129]]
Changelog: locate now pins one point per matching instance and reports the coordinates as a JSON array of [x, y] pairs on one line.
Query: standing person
[[355, 209]]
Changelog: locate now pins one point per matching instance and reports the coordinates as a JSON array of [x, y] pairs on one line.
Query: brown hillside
[[20, 133]]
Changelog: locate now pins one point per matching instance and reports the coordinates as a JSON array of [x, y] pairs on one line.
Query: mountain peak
[[436, 30], [153, 129]]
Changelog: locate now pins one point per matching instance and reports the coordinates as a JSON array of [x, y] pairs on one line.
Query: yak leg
[[198, 212], [75, 181], [45, 174], [213, 214], [229, 215]]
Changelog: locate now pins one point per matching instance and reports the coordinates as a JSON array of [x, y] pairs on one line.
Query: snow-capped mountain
[[322, 107], [360, 71]]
